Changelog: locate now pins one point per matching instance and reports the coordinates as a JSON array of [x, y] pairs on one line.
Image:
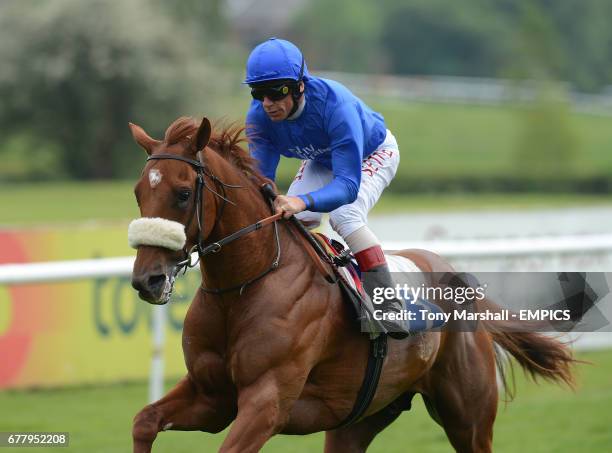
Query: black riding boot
[[385, 311], [388, 311], [380, 314]]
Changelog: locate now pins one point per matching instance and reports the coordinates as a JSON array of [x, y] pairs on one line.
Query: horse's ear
[[141, 137], [203, 135]]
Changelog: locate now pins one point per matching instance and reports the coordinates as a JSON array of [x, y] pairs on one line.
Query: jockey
[[348, 158]]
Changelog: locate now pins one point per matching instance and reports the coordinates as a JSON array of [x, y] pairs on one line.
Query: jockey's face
[[279, 110]]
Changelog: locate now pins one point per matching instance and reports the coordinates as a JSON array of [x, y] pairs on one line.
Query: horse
[[270, 346]]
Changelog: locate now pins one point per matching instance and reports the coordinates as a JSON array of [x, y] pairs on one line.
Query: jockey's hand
[[286, 205]]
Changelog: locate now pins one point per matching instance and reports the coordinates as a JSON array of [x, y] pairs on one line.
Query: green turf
[[60, 203], [543, 418], [66, 202]]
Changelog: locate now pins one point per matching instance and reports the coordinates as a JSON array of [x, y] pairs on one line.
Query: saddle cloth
[[351, 274]]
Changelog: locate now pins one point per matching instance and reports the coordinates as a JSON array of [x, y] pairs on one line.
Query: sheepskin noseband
[[157, 232]]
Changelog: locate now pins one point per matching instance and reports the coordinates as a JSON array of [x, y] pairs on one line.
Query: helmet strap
[[296, 95]]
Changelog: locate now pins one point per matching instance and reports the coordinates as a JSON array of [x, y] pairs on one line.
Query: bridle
[[202, 172]]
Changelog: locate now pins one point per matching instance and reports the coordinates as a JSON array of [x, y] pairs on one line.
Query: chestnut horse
[[283, 353]]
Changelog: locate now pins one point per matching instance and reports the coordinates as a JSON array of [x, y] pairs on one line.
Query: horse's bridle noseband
[[203, 172]]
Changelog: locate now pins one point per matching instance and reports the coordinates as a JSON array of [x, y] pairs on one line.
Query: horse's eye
[[184, 195]]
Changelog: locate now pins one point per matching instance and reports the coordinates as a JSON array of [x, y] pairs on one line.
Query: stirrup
[[343, 258]]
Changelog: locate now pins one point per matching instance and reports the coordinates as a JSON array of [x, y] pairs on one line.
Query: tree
[[483, 38], [74, 73], [341, 35], [438, 37], [547, 143]]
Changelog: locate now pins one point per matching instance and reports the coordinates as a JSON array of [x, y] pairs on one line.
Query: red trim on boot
[[370, 258]]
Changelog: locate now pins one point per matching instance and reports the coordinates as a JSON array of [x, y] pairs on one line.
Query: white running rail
[[16, 274]]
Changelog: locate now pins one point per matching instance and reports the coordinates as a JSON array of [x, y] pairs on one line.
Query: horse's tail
[[539, 355]]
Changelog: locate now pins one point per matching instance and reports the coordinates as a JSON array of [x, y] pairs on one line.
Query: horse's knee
[[146, 424]]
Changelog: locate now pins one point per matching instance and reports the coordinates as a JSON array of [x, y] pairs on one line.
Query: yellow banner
[[90, 331]]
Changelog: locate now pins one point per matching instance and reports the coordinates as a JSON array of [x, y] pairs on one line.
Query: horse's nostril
[[137, 284], [155, 281]]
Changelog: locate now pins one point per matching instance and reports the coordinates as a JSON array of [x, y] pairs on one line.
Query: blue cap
[[275, 59]]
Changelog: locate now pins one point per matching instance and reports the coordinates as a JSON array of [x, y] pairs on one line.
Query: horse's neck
[[253, 253]]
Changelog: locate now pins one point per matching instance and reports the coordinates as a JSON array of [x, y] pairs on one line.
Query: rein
[[215, 247]]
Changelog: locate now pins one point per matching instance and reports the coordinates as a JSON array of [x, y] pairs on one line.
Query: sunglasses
[[274, 93]]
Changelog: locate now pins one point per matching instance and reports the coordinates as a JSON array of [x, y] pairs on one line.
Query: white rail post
[[156, 378]]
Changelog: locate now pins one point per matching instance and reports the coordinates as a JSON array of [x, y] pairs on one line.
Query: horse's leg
[[183, 408], [263, 409], [356, 438], [461, 391]]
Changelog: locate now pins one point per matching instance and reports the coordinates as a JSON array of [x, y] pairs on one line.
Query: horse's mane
[[226, 140]]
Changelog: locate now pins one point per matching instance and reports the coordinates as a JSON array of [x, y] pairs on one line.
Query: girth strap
[[376, 358]]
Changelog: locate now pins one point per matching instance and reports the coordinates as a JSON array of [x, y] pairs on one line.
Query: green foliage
[[547, 146], [584, 40], [563, 39], [443, 38], [22, 155], [341, 34], [74, 73], [204, 17]]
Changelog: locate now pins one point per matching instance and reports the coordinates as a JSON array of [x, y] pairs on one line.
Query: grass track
[[543, 418]]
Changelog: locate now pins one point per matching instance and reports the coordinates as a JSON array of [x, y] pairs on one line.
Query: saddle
[[345, 262], [344, 267]]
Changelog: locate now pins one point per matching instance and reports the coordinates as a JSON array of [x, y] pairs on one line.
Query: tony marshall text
[[486, 315]]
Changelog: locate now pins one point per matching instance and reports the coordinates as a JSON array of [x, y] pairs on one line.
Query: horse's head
[[169, 196]]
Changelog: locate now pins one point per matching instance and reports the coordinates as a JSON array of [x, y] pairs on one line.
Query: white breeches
[[377, 171]]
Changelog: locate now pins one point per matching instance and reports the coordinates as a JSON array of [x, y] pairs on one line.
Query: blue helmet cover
[[275, 59]]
